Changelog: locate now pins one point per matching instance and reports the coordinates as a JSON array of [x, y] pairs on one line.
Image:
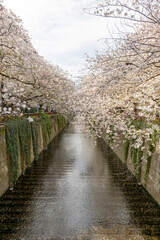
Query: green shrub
[[11, 134], [152, 144], [19, 132], [25, 137], [126, 148], [35, 138], [61, 120], [46, 127]]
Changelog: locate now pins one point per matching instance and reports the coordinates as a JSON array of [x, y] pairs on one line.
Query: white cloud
[[60, 30]]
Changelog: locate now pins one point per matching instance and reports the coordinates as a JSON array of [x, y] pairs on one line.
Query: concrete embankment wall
[[4, 161], [152, 182]]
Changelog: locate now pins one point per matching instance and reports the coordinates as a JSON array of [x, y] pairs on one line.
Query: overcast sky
[[61, 31]]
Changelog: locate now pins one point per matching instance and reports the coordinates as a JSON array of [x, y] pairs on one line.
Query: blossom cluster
[[120, 91], [27, 80]]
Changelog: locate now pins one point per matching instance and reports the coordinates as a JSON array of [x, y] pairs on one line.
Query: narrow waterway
[[78, 190]]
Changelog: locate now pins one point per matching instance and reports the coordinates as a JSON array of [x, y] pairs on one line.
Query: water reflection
[[78, 190]]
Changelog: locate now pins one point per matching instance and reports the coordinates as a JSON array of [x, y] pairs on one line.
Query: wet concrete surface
[[78, 190]]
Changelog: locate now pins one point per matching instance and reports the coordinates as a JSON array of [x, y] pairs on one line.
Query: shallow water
[[78, 190]]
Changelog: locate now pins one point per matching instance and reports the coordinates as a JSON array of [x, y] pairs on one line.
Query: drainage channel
[[78, 190]]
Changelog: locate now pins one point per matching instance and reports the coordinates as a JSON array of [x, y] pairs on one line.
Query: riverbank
[[16, 155], [147, 174]]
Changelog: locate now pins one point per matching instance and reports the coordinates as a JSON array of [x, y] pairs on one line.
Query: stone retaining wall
[[4, 164], [152, 183]]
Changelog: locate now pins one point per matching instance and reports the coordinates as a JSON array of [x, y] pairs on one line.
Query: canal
[[78, 190]]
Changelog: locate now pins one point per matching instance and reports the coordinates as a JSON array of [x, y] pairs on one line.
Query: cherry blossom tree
[[120, 92], [26, 78]]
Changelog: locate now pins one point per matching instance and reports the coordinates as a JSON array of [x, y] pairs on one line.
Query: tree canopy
[[26, 78], [122, 85]]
